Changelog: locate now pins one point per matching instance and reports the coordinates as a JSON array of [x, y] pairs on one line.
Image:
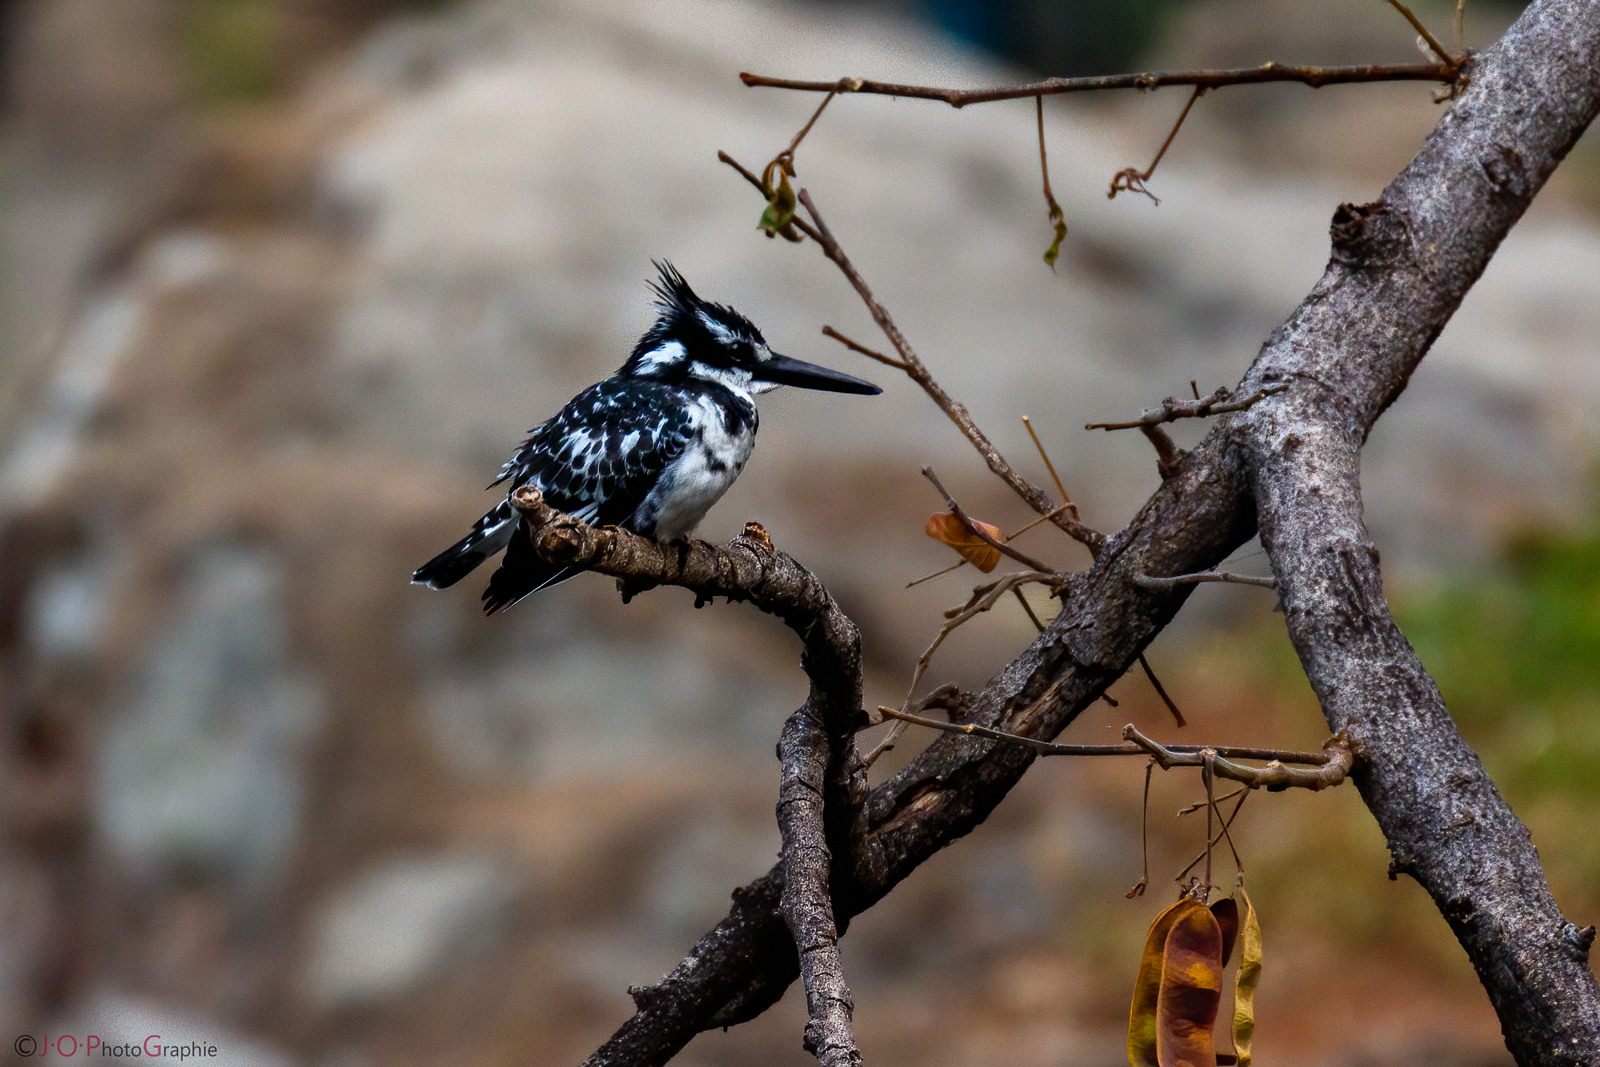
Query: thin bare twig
[[953, 409], [1028, 608], [1144, 836], [1027, 424], [1161, 691], [1171, 409], [829, 331], [1166, 585], [1132, 179], [1316, 77], [1433, 42], [1181, 755], [1058, 219], [983, 598], [983, 535]]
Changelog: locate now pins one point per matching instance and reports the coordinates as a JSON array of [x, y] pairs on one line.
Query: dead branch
[[1161, 691], [1057, 217], [1331, 770], [829, 331], [1399, 271], [1172, 409], [1036, 498], [1166, 585], [1335, 752], [1132, 179], [1453, 62], [1315, 77], [823, 779]]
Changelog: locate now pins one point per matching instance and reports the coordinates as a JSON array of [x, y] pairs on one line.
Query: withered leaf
[[779, 212], [943, 526], [1191, 989], [1227, 913], [1147, 987], [1244, 984]]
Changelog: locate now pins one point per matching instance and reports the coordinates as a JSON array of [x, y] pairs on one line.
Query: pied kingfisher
[[649, 450]]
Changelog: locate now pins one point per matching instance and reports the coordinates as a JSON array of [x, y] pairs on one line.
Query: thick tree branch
[[1399, 270], [820, 766]]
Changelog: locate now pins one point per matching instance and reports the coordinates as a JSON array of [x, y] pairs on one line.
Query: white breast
[[698, 478]]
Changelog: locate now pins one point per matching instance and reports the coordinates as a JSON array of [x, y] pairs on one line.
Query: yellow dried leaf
[[943, 526], [1147, 987], [1244, 985]]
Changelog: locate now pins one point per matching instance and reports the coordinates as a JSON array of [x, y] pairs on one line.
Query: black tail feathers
[[451, 565], [521, 572]]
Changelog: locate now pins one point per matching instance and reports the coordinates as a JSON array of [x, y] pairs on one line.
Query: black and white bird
[[649, 449]]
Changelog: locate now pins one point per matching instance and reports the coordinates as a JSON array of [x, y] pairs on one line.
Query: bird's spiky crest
[[688, 319]]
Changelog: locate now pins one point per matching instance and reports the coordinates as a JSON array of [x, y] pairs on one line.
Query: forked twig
[[1161, 691], [1211, 842], [1036, 498], [1319, 771], [1131, 179], [1171, 409], [983, 598], [1439, 50]]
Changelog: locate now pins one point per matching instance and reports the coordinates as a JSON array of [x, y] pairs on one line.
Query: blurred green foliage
[[1517, 657], [230, 48]]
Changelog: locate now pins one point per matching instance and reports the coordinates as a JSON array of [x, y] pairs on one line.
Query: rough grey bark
[[1400, 268], [823, 780]]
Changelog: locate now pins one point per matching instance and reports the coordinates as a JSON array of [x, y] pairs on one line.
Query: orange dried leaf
[[1147, 987], [1244, 984], [943, 526], [1191, 990]]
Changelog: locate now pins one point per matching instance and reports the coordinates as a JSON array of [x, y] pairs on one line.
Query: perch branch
[[823, 781]]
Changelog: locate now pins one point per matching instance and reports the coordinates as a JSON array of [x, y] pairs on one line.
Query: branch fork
[[823, 782]]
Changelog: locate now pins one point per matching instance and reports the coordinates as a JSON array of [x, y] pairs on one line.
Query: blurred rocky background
[[284, 281]]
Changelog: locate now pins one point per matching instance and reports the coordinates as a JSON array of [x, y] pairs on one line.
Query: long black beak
[[782, 370]]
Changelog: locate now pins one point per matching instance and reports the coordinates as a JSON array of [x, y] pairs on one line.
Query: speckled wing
[[596, 460]]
